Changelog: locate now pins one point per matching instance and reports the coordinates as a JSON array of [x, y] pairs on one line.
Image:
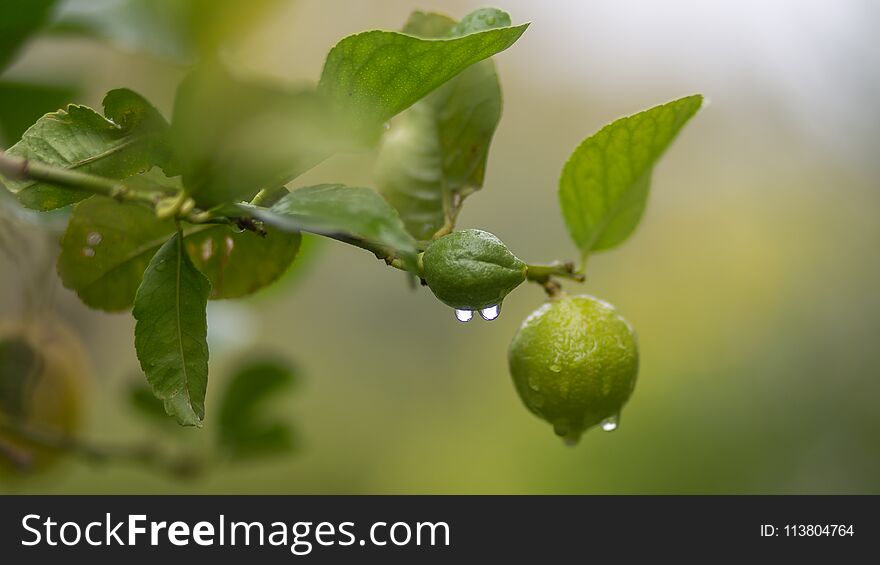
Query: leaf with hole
[[108, 245]]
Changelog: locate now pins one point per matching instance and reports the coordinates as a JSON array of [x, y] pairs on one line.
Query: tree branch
[[144, 454], [18, 168]]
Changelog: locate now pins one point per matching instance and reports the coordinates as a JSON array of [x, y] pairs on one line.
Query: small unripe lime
[[471, 269], [574, 362], [44, 371]]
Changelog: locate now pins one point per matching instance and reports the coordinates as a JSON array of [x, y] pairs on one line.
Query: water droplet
[[609, 424], [464, 315], [570, 441], [555, 368], [88, 252], [94, 238], [386, 126], [490, 313]]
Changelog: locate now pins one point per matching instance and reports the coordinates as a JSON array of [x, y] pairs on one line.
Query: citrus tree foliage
[[169, 212]]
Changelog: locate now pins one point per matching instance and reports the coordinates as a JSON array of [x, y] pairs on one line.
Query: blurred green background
[[752, 281]]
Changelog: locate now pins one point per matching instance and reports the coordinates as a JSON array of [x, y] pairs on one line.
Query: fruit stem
[[563, 269]]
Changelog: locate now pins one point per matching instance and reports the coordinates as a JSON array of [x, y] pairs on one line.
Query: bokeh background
[[752, 281]]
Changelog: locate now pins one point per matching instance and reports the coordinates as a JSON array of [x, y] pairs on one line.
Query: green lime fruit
[[472, 270], [574, 362], [44, 373]]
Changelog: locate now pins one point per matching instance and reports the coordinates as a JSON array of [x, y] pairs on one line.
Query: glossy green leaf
[[337, 210], [235, 136], [435, 154], [18, 20], [170, 335], [22, 104], [108, 245], [129, 140], [604, 185], [246, 428], [375, 75]]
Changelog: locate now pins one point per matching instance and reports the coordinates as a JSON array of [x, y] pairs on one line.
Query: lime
[[574, 362], [471, 270]]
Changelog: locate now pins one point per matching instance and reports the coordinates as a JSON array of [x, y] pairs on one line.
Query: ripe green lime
[[471, 269], [574, 362]]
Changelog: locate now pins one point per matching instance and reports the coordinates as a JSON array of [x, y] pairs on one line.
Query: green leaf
[[240, 264], [22, 104], [171, 332], [337, 210], [18, 20], [108, 245], [244, 428], [604, 185], [235, 136], [129, 140], [375, 75], [435, 154], [106, 249]]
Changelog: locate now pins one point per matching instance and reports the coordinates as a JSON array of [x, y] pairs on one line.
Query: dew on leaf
[[88, 252], [463, 315], [94, 238]]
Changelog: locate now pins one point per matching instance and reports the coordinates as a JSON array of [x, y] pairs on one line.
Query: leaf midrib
[[180, 252]]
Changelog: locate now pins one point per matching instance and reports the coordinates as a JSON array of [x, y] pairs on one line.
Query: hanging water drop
[[609, 424], [490, 313], [464, 315]]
